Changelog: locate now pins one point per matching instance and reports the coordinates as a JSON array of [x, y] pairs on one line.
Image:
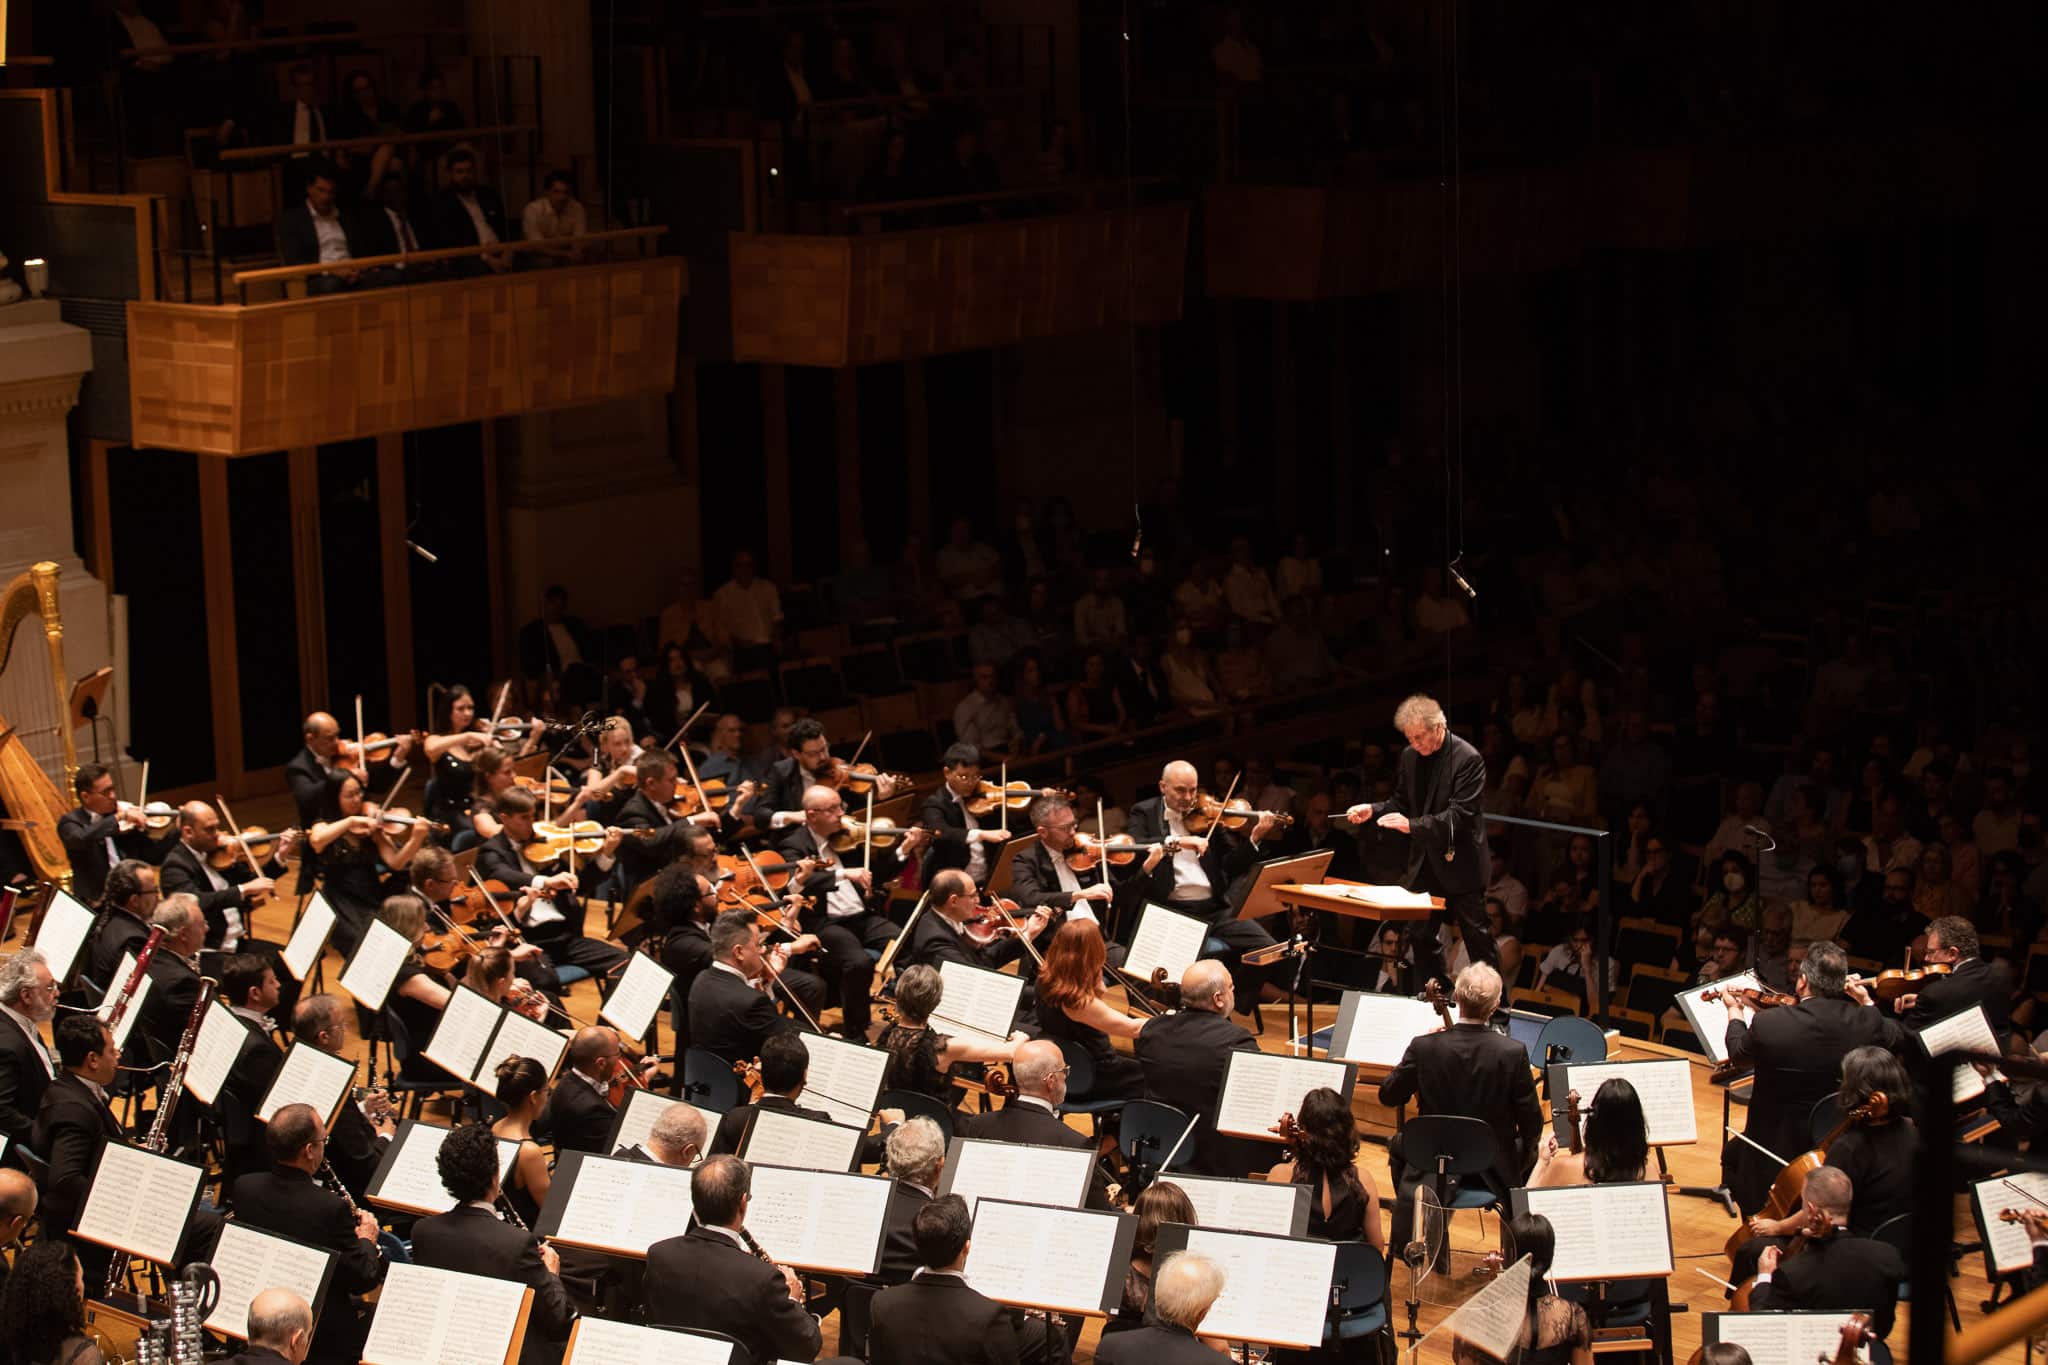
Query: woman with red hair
[[1072, 1011]]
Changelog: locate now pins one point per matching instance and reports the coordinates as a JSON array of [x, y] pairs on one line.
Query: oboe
[[167, 1100], [134, 981]]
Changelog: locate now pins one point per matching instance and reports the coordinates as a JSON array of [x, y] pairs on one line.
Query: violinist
[[452, 745], [1616, 1147], [128, 899], [419, 993], [731, 1015], [1071, 1008], [1196, 879], [841, 889], [226, 896], [579, 1116], [493, 975], [1971, 980], [436, 881], [960, 838], [785, 1065], [102, 831], [684, 901], [491, 776], [1835, 1271], [360, 860], [1797, 1051], [1040, 874], [608, 781], [957, 927], [921, 1059], [655, 833], [309, 770], [807, 762], [550, 914]]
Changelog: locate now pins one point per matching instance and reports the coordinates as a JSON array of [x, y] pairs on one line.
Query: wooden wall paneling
[[214, 531], [309, 581], [917, 447], [397, 564], [775, 468]]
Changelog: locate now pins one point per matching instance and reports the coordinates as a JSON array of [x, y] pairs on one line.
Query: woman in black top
[[358, 859], [1617, 1142], [1555, 1331], [1070, 1006], [920, 1059], [523, 1090], [1160, 1202], [1342, 1204], [419, 993], [42, 1312]]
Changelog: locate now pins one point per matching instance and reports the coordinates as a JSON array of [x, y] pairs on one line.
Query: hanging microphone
[[1464, 585], [423, 552]]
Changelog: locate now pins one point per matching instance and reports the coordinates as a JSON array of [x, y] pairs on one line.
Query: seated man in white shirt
[[318, 230], [557, 213]]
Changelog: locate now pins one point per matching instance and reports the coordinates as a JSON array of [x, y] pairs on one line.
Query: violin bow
[[861, 750], [362, 757], [888, 958], [677, 737], [2027, 1195], [690, 766], [492, 901], [1102, 842], [385, 804], [142, 798], [1003, 795], [504, 691], [236, 830], [867, 834]]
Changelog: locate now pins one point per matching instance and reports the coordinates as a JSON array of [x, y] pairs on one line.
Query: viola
[[1751, 997], [1014, 795], [999, 919], [859, 778], [551, 841], [258, 840], [468, 901], [692, 799], [1889, 986], [882, 832], [400, 818], [555, 789], [1572, 1124], [1237, 813], [349, 754], [1121, 849]]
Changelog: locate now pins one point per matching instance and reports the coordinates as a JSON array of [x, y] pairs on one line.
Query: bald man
[[17, 1207], [579, 1113], [280, 1328], [1032, 1115], [1195, 878], [227, 897], [1184, 1055]]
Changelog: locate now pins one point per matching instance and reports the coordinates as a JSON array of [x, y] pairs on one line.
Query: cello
[[1789, 1189]]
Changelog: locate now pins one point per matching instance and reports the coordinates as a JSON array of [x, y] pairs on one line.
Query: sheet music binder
[[1117, 1230], [668, 1189], [1308, 1289]]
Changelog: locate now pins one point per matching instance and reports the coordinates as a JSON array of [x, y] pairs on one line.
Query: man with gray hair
[[1838, 1272], [1032, 1115], [1196, 874], [1469, 1071], [1184, 1289], [1436, 803], [173, 974], [1797, 1051], [917, 1153], [28, 1000], [677, 1137], [1184, 1055], [280, 1328]]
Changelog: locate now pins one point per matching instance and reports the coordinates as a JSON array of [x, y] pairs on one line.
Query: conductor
[[1436, 804]]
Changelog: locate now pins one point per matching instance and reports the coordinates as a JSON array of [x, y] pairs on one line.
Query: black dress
[[1878, 1159], [418, 1018], [354, 881], [519, 1197], [1346, 1219], [914, 1062], [449, 792], [1117, 1076]]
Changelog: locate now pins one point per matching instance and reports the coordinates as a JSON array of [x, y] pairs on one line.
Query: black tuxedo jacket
[[899, 1246], [1797, 1051], [498, 860], [173, 990], [934, 940], [1155, 1343], [290, 1203], [731, 1018], [255, 1067], [576, 1118], [180, 871], [640, 859], [448, 222], [69, 1131], [703, 1281], [354, 1148], [1842, 1272], [114, 933], [1975, 982], [732, 1124], [23, 1082], [298, 243], [1035, 882], [940, 1320], [947, 821], [1446, 829], [1020, 1120], [797, 843], [1184, 1055], [1225, 860], [1470, 1070], [479, 1243], [782, 788], [84, 836]]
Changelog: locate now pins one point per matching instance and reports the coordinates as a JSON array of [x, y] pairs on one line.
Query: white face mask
[[1732, 882]]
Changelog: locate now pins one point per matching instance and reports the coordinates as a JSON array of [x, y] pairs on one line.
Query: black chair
[[1898, 1234], [855, 1311], [1570, 1038], [1445, 1148], [1827, 1112], [709, 1082], [1080, 1081], [1146, 1135], [1358, 1294], [915, 1104], [411, 1091]]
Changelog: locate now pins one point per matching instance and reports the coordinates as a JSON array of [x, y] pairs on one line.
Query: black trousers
[[595, 956], [845, 943], [1469, 909]]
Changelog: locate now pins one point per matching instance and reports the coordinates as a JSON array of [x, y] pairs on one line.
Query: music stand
[[1261, 899], [999, 870], [88, 700]]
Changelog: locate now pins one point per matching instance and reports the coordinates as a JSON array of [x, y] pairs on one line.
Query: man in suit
[[130, 897], [1040, 877], [287, 1199], [729, 1014], [1436, 804], [1184, 1289], [579, 1114], [248, 987], [840, 916], [1797, 1051], [550, 913], [472, 1238], [710, 1280], [658, 838], [1837, 1272], [1469, 1070], [677, 1137], [1952, 942], [363, 1129], [1184, 1055], [1032, 1114], [28, 1000], [312, 770], [555, 641], [937, 1318], [940, 934], [1195, 877], [173, 976], [318, 230], [784, 1064], [805, 763], [467, 212], [960, 838], [100, 832], [18, 1201], [72, 1126], [917, 1154], [226, 898], [280, 1329]]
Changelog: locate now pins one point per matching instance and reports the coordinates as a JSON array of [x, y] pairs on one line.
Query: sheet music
[[981, 1000], [518, 1036], [1244, 1205], [1382, 897], [443, 1317], [1492, 1319], [1054, 1176], [309, 937], [642, 990], [1709, 1018], [843, 1079], [409, 1179], [464, 1032], [1664, 1086], [1783, 1338], [1165, 938], [249, 1262], [371, 971], [1042, 1257], [220, 1040], [139, 1202], [62, 934], [1259, 1087], [309, 1076], [599, 1341], [1375, 1030], [1966, 1031], [1274, 1289], [135, 1001], [641, 1110], [2006, 1244], [820, 1220], [1606, 1232], [622, 1206], [786, 1140]]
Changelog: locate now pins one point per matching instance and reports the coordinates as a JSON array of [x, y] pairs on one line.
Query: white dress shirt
[[844, 900], [232, 939], [1190, 878], [977, 852]]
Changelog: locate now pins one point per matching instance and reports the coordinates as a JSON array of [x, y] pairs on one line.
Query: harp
[[39, 732]]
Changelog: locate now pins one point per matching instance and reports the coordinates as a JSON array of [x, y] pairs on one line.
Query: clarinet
[[134, 981], [167, 1101], [334, 1186]]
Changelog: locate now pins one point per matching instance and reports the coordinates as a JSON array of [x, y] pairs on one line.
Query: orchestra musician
[[785, 1065], [941, 933], [473, 1239], [656, 835], [71, 1127], [1184, 1289], [1952, 942], [226, 896], [310, 774], [1195, 877], [128, 899], [1436, 804], [960, 838], [709, 1279], [729, 1014], [580, 1113], [435, 882], [28, 1000], [101, 831], [1184, 1055], [360, 863], [173, 976], [937, 1318], [1032, 1115], [917, 1156], [248, 987], [1615, 1148], [806, 762], [921, 1059], [608, 781], [1071, 1009], [525, 1092], [1343, 1206], [1159, 1203], [839, 912], [364, 1127], [1040, 876], [418, 993], [1837, 1271], [550, 913]]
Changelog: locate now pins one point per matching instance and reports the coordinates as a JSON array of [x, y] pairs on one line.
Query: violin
[[1789, 1189], [1889, 986], [555, 789], [859, 778], [349, 754], [1014, 795], [691, 799], [1121, 850], [1855, 1334], [157, 815], [398, 817], [468, 901], [551, 841], [256, 839], [1750, 996], [882, 832], [999, 919], [766, 870], [1235, 814]]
